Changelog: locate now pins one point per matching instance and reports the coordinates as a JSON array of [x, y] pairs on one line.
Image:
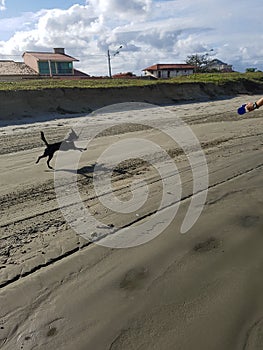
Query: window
[[53, 68], [43, 67], [64, 67], [60, 68]]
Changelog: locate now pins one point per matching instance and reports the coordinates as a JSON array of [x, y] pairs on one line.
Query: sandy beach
[[197, 290]]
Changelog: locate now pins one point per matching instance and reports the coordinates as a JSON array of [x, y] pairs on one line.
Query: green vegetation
[[198, 61], [215, 78], [40, 84], [220, 78]]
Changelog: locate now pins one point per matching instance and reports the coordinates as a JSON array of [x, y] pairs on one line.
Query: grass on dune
[[40, 84]]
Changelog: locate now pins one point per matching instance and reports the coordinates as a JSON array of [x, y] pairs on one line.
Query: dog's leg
[[49, 159], [40, 157]]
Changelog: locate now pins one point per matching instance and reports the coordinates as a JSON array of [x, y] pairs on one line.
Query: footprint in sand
[[134, 278], [249, 220], [207, 245], [29, 340]]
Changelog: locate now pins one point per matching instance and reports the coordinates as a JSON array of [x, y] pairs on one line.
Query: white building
[[169, 70], [217, 65]]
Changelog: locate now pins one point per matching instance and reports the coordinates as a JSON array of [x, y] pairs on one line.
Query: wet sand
[[198, 290]]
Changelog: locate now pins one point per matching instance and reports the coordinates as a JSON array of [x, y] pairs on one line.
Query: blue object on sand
[[242, 110]]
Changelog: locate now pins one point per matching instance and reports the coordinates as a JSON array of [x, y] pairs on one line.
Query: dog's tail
[[43, 138]]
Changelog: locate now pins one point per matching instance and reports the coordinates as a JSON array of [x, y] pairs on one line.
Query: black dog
[[65, 145]]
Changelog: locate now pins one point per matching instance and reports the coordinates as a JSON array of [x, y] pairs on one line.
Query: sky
[[149, 31]]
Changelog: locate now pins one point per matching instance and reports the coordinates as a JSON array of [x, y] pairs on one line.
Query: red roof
[[43, 56], [169, 66]]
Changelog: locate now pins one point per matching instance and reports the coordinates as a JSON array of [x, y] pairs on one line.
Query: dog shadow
[[88, 170]]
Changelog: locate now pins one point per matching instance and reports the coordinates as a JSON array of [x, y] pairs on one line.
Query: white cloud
[[151, 31], [120, 8], [2, 5]]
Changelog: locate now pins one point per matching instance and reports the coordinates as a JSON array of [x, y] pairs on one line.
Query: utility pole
[[109, 64], [109, 59]]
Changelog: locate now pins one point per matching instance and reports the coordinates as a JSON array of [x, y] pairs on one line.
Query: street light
[[109, 59]]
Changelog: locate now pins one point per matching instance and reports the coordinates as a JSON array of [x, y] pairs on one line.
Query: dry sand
[[199, 290]]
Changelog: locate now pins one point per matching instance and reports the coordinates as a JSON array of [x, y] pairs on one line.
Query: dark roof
[[8, 68], [217, 61], [159, 66], [124, 75], [79, 73], [43, 56]]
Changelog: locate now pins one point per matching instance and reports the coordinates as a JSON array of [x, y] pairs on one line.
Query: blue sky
[[150, 31], [17, 7]]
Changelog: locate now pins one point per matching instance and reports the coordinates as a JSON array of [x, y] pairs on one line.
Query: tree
[[249, 70], [199, 61]]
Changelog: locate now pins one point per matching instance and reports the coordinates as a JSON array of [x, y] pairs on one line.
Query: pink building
[[55, 63]]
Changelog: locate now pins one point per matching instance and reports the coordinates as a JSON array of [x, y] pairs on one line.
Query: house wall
[[221, 67], [176, 73], [164, 74], [31, 61]]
